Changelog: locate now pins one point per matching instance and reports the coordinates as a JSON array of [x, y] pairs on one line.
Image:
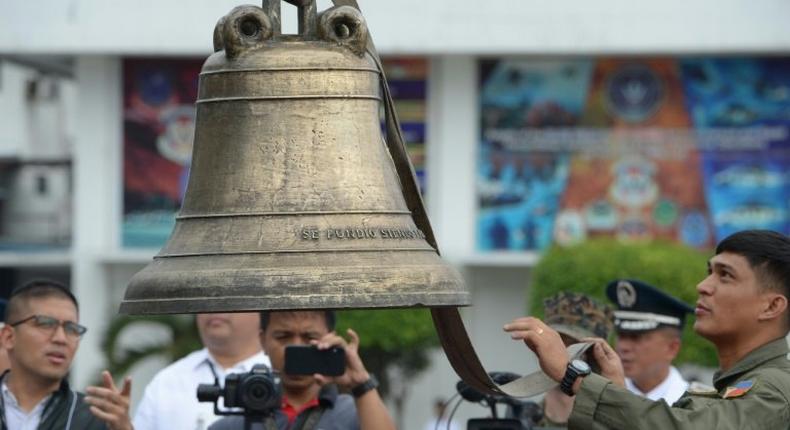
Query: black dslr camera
[[258, 393]]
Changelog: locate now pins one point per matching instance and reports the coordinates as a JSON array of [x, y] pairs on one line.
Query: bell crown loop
[[249, 27]]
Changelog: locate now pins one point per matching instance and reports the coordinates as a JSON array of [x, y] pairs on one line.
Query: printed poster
[[159, 124], [651, 148], [408, 81]]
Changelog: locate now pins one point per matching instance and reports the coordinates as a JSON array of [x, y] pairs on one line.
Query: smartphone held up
[[309, 360]]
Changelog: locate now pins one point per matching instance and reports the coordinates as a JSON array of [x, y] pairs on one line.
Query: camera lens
[[258, 392]]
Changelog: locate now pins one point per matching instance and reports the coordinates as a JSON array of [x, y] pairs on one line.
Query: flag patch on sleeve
[[738, 389]]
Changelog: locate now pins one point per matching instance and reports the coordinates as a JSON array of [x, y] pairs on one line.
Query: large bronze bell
[[294, 199]]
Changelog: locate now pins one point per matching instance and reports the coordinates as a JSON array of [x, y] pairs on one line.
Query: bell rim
[[248, 304]]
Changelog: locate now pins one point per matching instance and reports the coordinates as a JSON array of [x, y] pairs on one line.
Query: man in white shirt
[[649, 325], [231, 345]]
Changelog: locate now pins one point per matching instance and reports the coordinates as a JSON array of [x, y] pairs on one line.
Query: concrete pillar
[[97, 187], [453, 132]]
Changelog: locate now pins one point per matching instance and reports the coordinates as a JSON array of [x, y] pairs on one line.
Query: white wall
[[14, 134], [451, 152], [38, 207], [22, 113], [97, 190], [417, 26]]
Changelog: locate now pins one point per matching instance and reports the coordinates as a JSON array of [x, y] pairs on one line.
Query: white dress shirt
[[671, 389], [170, 400], [18, 419]]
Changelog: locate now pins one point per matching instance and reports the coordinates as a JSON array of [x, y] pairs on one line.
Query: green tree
[[394, 345], [183, 339], [589, 266]]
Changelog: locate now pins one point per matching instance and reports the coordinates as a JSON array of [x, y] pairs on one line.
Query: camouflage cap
[[578, 316]]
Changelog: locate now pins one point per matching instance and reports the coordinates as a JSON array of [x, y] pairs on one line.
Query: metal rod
[[307, 20], [272, 9]]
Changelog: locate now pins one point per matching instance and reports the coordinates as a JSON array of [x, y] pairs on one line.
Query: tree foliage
[[394, 345], [388, 338], [589, 266], [121, 358]]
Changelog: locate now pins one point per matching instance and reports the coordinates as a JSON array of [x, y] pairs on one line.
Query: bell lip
[[167, 306], [270, 282]]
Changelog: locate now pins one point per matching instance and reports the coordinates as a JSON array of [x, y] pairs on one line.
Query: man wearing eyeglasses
[[41, 336]]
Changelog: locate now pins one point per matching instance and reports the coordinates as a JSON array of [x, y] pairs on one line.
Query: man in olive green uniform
[[742, 308]]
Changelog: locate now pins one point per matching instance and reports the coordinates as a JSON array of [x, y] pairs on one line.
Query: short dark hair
[[36, 289], [670, 331], [768, 254], [329, 317]]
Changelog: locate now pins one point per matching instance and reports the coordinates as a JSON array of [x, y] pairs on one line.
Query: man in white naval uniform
[[649, 324], [670, 390]]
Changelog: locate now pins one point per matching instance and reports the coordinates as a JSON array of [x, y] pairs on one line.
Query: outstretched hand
[[544, 341], [355, 373], [110, 404]]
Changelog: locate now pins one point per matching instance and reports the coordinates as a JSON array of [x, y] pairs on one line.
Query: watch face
[[581, 366]]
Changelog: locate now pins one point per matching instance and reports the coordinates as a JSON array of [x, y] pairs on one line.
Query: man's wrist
[[365, 387], [358, 378], [561, 372], [576, 371]]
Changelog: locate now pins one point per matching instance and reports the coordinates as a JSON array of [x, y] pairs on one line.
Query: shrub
[[394, 345], [588, 267], [396, 337]]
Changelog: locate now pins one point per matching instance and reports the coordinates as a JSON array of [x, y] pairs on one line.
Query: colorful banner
[[747, 184], [408, 78], [687, 150], [159, 121]]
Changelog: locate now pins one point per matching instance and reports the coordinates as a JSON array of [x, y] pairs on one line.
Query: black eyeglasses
[[51, 324]]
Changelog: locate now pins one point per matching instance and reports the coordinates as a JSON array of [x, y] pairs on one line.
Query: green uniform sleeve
[[600, 402]]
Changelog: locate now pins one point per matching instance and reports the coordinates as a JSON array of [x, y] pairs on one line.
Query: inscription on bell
[[360, 233]]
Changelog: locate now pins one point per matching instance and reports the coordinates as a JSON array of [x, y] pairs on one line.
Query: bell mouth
[[351, 280]]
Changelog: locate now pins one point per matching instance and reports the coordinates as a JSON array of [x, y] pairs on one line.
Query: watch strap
[[359, 390], [566, 385], [571, 374]]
